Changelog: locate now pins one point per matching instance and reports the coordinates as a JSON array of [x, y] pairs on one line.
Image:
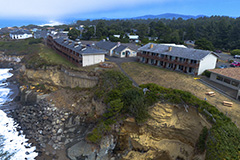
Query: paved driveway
[[120, 60], [225, 57]]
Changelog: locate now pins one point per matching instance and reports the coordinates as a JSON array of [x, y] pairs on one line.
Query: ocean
[[13, 144]]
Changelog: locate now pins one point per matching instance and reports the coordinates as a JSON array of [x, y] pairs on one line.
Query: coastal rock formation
[[171, 133], [61, 77], [55, 130]]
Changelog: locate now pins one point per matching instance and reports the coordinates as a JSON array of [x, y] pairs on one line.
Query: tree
[[235, 52], [204, 44], [88, 33], [73, 34], [101, 30]]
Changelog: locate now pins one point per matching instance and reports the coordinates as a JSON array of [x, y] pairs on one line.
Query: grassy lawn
[[53, 58], [19, 47], [143, 73]]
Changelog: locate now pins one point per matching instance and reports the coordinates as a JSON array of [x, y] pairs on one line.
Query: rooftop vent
[[169, 49], [118, 44], [151, 46]]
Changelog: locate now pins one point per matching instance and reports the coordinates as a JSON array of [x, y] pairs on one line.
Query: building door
[[127, 53]]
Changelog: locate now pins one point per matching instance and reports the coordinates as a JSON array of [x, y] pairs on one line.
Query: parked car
[[237, 56], [235, 64], [223, 66], [218, 51]]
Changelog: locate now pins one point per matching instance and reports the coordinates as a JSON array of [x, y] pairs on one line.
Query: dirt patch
[[170, 130], [143, 73], [79, 101]]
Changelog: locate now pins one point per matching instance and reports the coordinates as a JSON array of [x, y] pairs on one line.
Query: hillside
[[168, 16]]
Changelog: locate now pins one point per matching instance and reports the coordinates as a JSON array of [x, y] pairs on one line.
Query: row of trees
[[217, 32]]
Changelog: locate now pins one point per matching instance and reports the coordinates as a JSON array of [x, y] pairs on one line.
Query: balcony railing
[[186, 64]]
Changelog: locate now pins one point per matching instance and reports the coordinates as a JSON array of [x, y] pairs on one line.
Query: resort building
[[177, 57], [79, 54], [228, 77], [116, 49], [20, 34]]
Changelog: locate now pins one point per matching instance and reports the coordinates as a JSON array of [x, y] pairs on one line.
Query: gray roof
[[189, 53], [79, 49], [120, 48], [41, 34], [106, 45], [20, 32]]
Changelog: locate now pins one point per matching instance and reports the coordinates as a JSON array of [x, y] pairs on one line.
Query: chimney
[[169, 49], [118, 44], [151, 46]]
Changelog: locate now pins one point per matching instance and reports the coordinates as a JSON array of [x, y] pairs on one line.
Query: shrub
[[235, 52], [206, 73], [115, 108], [133, 101], [34, 41], [201, 143]]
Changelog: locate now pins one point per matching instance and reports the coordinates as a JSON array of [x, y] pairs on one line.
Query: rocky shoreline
[[59, 133]]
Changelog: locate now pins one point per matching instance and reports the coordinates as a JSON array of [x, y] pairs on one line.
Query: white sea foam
[[13, 142], [4, 74]]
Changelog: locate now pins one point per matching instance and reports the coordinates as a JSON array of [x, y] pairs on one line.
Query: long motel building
[[177, 57], [75, 52]]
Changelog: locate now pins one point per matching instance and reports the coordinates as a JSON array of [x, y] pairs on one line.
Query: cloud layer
[[58, 8]]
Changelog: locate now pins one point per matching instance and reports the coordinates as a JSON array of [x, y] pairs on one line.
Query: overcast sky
[[57, 10]]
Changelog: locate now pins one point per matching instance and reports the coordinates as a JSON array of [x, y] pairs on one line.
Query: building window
[[152, 61], [228, 81], [161, 63], [180, 67], [190, 70], [170, 57], [219, 78], [234, 83], [143, 59], [194, 61], [153, 54], [162, 55], [180, 59], [170, 65], [123, 53]]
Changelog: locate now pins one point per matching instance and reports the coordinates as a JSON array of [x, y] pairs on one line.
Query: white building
[[179, 58], [124, 51], [134, 38], [116, 49], [75, 52], [20, 34]]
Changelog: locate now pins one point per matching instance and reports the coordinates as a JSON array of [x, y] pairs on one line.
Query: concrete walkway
[[220, 90]]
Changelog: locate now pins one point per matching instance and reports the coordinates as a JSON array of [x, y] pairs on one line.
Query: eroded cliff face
[[61, 77], [171, 133]]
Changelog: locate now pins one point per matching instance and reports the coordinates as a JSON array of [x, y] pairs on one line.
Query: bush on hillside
[[235, 52]]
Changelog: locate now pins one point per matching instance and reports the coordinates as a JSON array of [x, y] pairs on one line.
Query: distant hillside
[[169, 16]]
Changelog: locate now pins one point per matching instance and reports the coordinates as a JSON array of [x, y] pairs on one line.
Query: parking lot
[[224, 58]]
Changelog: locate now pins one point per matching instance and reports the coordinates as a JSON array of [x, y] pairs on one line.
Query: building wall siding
[[92, 59], [23, 36], [213, 77], [209, 62]]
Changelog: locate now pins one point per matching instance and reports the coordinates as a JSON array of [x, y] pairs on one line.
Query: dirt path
[[142, 74]]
